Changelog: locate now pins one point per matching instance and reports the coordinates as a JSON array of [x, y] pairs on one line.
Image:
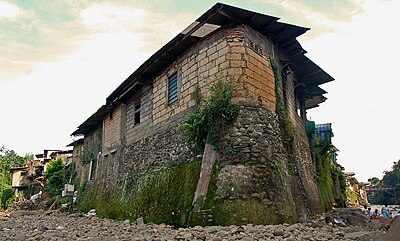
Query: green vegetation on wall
[[330, 180], [212, 117], [352, 197], [288, 128], [239, 212], [161, 196], [339, 185]]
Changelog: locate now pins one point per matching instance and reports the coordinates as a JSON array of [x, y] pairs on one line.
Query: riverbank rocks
[[63, 226], [351, 216]]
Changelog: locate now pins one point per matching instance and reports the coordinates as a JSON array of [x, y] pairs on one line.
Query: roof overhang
[[92, 122]]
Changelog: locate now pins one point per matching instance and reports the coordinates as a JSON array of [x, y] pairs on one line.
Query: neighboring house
[[49, 155], [135, 133], [23, 178], [76, 158], [19, 181], [28, 180], [356, 194]]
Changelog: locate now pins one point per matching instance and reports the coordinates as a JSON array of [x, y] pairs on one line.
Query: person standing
[[385, 211]]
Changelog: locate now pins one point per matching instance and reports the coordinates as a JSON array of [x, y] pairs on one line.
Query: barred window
[[173, 88]]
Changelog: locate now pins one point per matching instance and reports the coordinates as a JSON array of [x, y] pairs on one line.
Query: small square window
[[173, 88]]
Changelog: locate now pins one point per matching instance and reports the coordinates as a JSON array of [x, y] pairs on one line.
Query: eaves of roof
[[77, 142], [92, 122]]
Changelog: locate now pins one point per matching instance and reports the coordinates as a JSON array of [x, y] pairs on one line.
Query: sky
[[59, 60]]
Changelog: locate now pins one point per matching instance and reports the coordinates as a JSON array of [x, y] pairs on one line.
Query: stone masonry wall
[[256, 169], [92, 144], [305, 173], [77, 154]]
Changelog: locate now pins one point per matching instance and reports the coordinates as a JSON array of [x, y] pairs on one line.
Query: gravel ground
[[33, 225]]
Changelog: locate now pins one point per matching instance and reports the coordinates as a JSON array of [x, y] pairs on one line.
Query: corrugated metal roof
[[222, 15]]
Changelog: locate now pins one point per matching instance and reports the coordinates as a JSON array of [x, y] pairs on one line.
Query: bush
[[7, 197], [54, 176], [213, 117]]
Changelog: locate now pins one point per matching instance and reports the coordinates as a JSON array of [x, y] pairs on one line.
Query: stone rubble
[[34, 225]]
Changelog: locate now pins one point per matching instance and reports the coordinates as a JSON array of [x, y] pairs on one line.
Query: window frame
[[171, 98]]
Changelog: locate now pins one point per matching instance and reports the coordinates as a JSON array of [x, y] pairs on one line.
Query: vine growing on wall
[[289, 129], [212, 117], [330, 180]]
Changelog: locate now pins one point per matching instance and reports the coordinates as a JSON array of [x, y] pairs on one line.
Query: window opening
[[173, 88], [137, 112], [93, 169]]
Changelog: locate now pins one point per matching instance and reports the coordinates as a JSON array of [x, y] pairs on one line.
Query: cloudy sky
[[59, 60]]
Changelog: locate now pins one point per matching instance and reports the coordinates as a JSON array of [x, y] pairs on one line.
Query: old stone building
[[138, 163]]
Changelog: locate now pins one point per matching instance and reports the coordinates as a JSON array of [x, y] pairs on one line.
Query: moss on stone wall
[[352, 197], [250, 211], [162, 196], [324, 180], [220, 208], [329, 179]]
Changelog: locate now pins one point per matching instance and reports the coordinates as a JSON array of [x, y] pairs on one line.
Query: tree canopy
[[8, 160], [390, 178]]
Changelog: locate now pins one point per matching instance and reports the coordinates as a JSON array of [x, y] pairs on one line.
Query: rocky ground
[[35, 225]]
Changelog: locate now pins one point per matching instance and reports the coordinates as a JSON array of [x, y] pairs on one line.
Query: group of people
[[373, 214]]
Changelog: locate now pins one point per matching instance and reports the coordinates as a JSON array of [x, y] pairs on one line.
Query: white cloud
[[107, 17], [51, 101], [8, 10]]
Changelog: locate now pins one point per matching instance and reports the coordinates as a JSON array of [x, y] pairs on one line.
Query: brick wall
[[263, 48], [112, 129], [202, 65], [226, 56], [138, 131]]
